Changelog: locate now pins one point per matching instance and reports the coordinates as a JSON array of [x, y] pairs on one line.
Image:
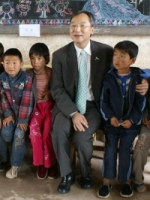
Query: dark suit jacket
[[64, 80]]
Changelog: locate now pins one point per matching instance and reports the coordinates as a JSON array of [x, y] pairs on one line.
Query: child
[[1, 58], [141, 149], [16, 102], [121, 108], [40, 124], [1, 70]]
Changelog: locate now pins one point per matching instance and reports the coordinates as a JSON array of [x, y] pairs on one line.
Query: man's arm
[[58, 91]]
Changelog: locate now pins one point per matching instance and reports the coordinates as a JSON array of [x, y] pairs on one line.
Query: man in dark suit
[[68, 121]]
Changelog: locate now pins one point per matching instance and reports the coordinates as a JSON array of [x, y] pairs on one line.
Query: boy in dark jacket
[[121, 108]]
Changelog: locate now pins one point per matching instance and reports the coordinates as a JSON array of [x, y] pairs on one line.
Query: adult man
[[68, 120], [66, 114]]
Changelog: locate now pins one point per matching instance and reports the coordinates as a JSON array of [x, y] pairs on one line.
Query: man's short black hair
[[13, 52], [129, 47], [40, 49], [90, 16], [1, 50]]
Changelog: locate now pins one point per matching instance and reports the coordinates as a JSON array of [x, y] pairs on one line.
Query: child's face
[[37, 62], [12, 65], [122, 60]]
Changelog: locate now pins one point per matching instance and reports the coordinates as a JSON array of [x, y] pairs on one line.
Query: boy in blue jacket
[[121, 108]]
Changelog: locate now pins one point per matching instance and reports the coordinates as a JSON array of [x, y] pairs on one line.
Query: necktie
[[82, 84]]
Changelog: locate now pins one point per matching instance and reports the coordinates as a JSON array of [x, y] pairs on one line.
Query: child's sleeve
[[5, 107], [105, 108], [26, 105], [1, 112], [138, 108]]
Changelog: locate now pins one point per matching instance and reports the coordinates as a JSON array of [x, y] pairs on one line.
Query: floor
[[27, 187]]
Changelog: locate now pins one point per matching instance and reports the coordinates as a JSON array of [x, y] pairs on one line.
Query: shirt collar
[[14, 78], [87, 49]]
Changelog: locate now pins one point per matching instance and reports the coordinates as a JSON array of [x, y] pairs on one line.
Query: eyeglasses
[[81, 26]]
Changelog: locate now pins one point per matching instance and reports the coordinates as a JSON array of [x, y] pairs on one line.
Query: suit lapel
[[72, 62], [95, 61]]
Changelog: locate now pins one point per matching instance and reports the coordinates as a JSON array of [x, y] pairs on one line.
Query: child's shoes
[[140, 187], [104, 191], [41, 172], [53, 172], [126, 190], [12, 173]]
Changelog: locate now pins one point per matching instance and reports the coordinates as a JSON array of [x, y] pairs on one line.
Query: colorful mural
[[58, 12], [117, 12]]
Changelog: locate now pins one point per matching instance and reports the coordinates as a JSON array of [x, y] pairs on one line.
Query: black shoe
[[3, 166], [66, 182], [87, 182], [104, 191], [126, 191]]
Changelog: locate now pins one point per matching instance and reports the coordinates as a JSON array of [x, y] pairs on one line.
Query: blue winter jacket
[[112, 101]]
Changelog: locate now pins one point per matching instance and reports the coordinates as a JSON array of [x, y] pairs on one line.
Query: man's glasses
[[80, 26]]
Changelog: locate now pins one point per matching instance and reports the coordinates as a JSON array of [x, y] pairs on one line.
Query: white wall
[[56, 41]]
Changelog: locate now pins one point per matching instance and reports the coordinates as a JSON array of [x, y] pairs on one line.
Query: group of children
[[26, 101]]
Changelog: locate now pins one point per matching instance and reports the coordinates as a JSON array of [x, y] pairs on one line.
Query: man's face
[[12, 65], [81, 30]]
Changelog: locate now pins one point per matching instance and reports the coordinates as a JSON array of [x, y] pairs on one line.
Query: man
[[68, 119], [66, 115]]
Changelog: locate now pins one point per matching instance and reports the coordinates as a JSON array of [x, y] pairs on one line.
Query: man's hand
[[126, 124], [23, 127], [79, 122], [143, 87], [114, 122], [7, 120]]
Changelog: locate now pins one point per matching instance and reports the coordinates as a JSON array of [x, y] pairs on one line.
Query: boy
[[16, 103], [141, 149], [121, 108], [1, 57]]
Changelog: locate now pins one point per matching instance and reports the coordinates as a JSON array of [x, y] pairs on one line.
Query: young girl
[[40, 123]]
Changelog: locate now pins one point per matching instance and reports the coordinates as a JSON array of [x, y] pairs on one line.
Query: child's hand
[[114, 122], [145, 121], [23, 127], [126, 124], [148, 124], [7, 120], [46, 95]]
